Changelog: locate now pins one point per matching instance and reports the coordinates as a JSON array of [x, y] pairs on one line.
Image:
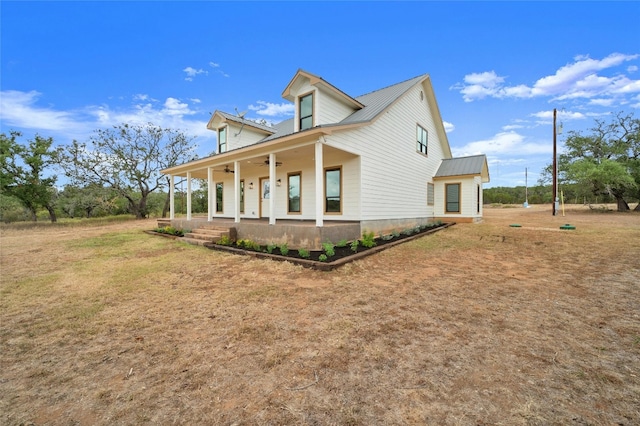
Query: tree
[[128, 159], [606, 162], [22, 170]]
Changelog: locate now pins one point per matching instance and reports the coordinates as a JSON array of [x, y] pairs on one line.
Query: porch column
[[272, 188], [319, 185], [236, 187], [172, 197], [209, 192], [188, 195]]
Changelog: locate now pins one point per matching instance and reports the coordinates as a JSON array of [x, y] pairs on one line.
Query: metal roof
[[462, 166], [246, 122], [374, 103], [378, 101]]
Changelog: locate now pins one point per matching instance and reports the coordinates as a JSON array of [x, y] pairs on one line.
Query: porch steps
[[164, 222], [208, 234]]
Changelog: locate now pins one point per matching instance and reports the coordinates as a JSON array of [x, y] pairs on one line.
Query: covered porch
[[272, 192]]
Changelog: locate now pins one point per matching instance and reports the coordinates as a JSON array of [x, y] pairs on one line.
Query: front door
[[265, 194]]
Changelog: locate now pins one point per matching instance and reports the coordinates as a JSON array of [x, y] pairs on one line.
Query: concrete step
[[204, 237], [212, 232], [194, 241]]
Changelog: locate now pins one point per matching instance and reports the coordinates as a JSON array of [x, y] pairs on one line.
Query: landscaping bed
[[332, 255]]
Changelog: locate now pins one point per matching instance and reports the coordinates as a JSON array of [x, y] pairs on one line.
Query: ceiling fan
[[266, 163], [226, 170]]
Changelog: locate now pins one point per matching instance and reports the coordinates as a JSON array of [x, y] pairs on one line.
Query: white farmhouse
[[341, 166]]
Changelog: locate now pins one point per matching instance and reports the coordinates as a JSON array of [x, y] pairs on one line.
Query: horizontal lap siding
[[468, 197], [330, 110], [247, 137], [394, 176]]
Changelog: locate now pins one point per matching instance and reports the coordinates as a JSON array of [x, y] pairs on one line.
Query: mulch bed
[[342, 255]]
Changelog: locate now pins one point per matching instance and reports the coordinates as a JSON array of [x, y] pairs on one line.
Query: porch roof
[[475, 165]]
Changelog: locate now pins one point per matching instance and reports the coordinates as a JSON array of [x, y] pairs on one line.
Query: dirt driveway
[[477, 324]]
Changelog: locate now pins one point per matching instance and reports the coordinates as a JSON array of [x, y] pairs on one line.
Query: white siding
[[394, 176], [350, 190], [248, 136], [331, 110], [468, 197]]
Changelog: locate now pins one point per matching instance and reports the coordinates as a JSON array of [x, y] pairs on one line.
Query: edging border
[[324, 266]]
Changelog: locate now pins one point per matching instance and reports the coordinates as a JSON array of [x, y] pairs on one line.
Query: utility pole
[[555, 167]]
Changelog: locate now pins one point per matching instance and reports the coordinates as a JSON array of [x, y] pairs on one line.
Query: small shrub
[[225, 241], [407, 232], [329, 249], [270, 248], [368, 239], [170, 230], [354, 245], [322, 257], [304, 253], [342, 243], [248, 244], [387, 237], [395, 234], [284, 249]]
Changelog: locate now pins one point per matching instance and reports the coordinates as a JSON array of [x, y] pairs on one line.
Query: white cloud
[[579, 79], [448, 127], [192, 72], [269, 109], [19, 110], [218, 69], [509, 142]]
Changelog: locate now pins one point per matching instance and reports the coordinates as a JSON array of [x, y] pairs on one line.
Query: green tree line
[[117, 171]]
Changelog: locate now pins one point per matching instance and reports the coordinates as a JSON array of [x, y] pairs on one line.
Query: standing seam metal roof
[[462, 166], [374, 103]]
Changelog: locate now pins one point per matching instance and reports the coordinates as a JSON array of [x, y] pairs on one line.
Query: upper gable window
[[422, 138], [222, 140], [306, 112]]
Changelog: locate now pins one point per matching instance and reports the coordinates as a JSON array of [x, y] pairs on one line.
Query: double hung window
[[293, 183], [422, 139], [222, 140], [333, 190], [306, 112], [452, 191]]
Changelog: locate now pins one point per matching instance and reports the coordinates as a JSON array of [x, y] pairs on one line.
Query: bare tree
[[128, 159]]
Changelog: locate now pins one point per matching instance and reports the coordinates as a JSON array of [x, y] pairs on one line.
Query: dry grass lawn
[[477, 324]]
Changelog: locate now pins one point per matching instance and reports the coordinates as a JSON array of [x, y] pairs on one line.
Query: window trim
[[431, 194], [226, 139], [300, 117], [242, 194], [289, 175], [330, 169], [220, 205], [446, 199], [419, 144]]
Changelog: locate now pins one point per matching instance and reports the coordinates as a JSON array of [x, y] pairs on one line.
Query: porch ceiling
[[292, 159]]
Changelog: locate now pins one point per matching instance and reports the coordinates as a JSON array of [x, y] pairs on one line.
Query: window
[[222, 140], [306, 112], [294, 192], [219, 197], [430, 194], [422, 137], [333, 191], [452, 197], [479, 195], [242, 196]]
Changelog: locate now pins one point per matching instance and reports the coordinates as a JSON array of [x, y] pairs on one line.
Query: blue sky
[[498, 68]]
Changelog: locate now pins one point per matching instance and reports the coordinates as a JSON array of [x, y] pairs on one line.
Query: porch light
[[250, 185], [279, 182]]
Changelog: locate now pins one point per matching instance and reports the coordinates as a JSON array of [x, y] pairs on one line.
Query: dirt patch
[[477, 324]]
